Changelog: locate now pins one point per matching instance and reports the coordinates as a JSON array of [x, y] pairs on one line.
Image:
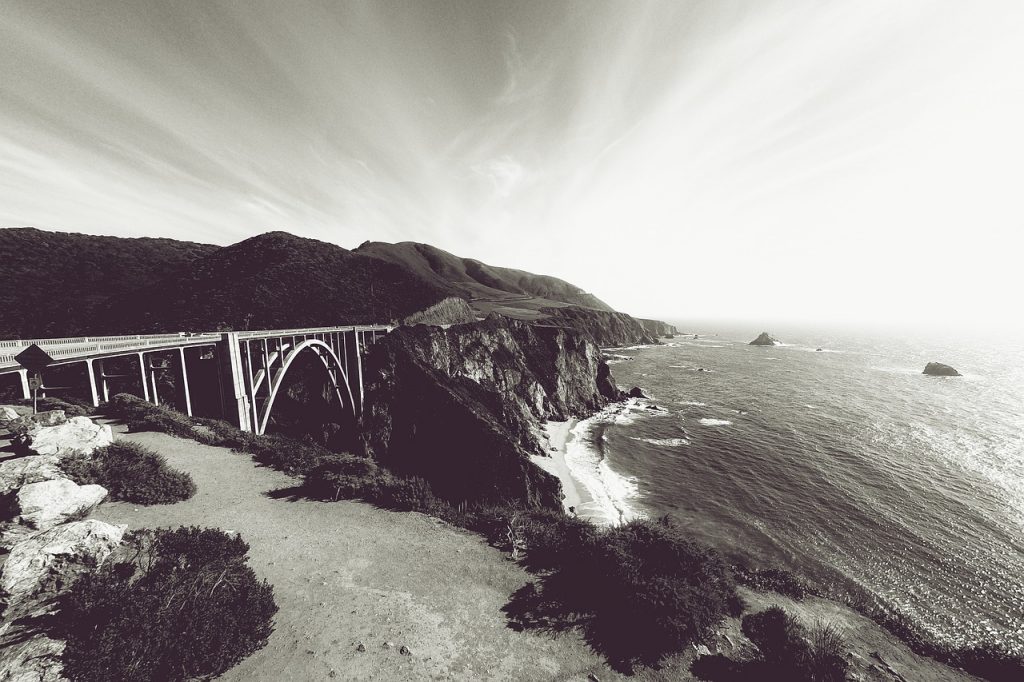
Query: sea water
[[846, 465]]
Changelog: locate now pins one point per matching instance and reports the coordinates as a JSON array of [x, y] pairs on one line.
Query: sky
[[820, 161]]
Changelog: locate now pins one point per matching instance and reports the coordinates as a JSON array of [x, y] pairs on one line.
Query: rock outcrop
[[601, 327], [45, 504], [658, 328], [47, 562], [78, 435], [937, 369], [763, 339], [14, 473], [451, 310], [461, 406], [36, 659]]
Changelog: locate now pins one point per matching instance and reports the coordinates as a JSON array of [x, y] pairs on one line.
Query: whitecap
[[707, 421], [695, 403], [611, 493], [665, 442]]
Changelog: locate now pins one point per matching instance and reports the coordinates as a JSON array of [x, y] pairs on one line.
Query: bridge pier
[[26, 394], [142, 376], [184, 380], [104, 386], [236, 400], [93, 392]]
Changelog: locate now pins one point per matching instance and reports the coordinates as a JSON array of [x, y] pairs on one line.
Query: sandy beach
[[557, 435]]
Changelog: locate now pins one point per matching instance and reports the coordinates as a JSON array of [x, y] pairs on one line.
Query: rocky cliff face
[[452, 310], [657, 328], [461, 406], [599, 326]]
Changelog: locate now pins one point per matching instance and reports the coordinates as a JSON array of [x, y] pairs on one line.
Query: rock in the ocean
[[635, 392], [763, 339], [938, 369], [36, 659], [15, 473], [49, 561], [77, 435], [47, 503]]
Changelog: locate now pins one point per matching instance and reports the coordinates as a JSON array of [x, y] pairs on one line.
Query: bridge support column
[[26, 394], [142, 376], [359, 367], [184, 380], [104, 386], [94, 394], [235, 398]]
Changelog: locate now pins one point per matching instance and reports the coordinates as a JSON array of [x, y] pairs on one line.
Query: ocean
[[845, 465]]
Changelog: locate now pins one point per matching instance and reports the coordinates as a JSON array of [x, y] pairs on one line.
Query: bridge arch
[[335, 373]]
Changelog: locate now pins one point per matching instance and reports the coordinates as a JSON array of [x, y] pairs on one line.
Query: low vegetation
[[132, 473], [181, 604], [639, 592]]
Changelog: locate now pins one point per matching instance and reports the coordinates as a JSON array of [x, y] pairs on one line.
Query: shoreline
[[555, 439]]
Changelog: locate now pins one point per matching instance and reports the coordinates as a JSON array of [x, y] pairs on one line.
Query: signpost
[[34, 359]]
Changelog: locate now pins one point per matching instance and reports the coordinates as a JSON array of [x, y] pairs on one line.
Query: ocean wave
[[611, 493], [707, 421], [665, 442], [695, 403]]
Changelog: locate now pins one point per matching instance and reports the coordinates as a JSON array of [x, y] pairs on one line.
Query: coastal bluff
[[461, 407]]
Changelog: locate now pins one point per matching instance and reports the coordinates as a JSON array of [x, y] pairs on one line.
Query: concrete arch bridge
[[249, 367]]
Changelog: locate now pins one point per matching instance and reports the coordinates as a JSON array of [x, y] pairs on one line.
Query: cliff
[[599, 326], [452, 310], [461, 406], [657, 328]]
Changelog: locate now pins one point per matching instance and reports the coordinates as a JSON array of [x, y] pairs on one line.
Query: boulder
[[47, 503], [763, 339], [50, 418], [14, 473], [635, 392], [78, 435], [47, 562], [7, 413], [36, 659], [937, 369]]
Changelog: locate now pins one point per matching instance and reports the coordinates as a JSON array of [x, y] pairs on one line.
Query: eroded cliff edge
[[461, 407]]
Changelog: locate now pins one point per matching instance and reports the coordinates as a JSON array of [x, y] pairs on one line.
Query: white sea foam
[[611, 493], [707, 421], [667, 442], [695, 403]]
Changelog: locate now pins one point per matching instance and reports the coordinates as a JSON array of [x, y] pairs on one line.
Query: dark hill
[[478, 281], [55, 283], [278, 280]]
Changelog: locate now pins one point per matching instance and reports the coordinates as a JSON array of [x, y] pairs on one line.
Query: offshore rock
[[937, 369], [763, 339], [46, 563], [14, 473], [47, 503], [635, 392], [78, 435], [461, 407]]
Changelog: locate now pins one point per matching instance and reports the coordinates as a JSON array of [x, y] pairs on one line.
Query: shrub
[[991, 662], [132, 473], [826, 661], [778, 636], [407, 494], [344, 477], [772, 579], [185, 606], [72, 407]]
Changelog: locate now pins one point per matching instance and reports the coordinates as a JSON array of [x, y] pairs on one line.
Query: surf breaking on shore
[[592, 488]]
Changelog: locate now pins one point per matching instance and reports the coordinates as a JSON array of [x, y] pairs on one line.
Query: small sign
[[33, 358], [35, 382]]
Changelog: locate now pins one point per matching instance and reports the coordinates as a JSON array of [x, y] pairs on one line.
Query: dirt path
[[347, 573]]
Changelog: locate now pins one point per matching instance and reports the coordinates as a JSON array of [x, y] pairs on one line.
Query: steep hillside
[[57, 283], [276, 280], [600, 327], [478, 281], [657, 328], [460, 407]]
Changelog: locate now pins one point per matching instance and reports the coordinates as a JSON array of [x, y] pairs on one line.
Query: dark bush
[[991, 662], [72, 407], [345, 477], [773, 580], [185, 606], [827, 654], [407, 494], [778, 636], [132, 473]]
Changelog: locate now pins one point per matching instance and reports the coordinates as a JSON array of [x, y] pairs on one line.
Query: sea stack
[[937, 369], [764, 340]]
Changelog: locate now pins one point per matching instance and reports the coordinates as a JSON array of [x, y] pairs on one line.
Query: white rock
[[77, 435], [45, 504], [49, 561], [7, 413], [37, 659], [15, 473]]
